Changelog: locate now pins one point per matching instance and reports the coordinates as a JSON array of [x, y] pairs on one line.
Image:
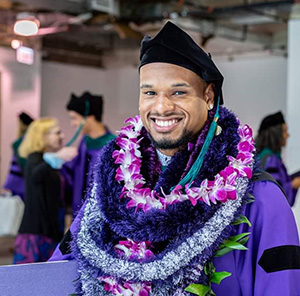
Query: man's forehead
[[168, 73]]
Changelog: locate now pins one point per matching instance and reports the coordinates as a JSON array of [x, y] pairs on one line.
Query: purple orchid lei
[[125, 289], [221, 189], [131, 250]]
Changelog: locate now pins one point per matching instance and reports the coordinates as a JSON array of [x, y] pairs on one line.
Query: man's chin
[[167, 143]]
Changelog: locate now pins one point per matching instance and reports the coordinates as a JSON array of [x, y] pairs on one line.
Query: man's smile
[[164, 125]]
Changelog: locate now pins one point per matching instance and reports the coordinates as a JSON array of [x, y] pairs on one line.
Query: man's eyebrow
[[181, 84], [146, 86]]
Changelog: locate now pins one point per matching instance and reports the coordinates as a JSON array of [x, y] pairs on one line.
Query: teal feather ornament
[[196, 167]]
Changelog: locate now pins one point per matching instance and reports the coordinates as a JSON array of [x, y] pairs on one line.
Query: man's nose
[[164, 104]]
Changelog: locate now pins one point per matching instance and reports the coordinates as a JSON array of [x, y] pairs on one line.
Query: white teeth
[[165, 123]]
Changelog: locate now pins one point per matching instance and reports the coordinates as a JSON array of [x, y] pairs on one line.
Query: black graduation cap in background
[[173, 45], [78, 104], [271, 120], [25, 118]]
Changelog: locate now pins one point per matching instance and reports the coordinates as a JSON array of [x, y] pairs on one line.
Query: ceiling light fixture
[[15, 44], [27, 27]]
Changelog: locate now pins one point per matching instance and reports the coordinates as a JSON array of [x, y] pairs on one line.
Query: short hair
[[34, 137], [271, 138]]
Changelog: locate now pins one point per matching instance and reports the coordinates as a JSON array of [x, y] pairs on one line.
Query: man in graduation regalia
[[177, 205], [85, 114]]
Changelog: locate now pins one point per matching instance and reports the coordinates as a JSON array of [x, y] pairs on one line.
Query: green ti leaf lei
[[236, 242]]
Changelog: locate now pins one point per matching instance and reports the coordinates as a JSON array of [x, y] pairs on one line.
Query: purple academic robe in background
[[277, 169], [15, 178], [273, 225], [76, 171]]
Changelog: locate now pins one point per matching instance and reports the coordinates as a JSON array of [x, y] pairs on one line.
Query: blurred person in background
[[14, 183], [272, 137], [85, 114], [42, 224]]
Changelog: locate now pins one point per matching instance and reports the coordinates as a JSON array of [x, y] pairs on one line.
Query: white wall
[[118, 86], [254, 87], [293, 104], [293, 94], [20, 91]]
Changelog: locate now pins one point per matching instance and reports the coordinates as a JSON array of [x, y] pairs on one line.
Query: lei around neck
[[221, 189], [120, 272]]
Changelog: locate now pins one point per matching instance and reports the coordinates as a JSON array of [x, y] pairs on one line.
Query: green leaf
[[250, 198], [209, 268], [219, 276], [234, 245], [238, 237], [198, 289], [223, 251], [244, 240], [242, 219]]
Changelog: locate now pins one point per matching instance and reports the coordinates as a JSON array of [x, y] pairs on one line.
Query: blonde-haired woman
[[41, 228]]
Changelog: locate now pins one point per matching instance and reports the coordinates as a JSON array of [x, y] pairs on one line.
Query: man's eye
[[179, 93], [149, 93]]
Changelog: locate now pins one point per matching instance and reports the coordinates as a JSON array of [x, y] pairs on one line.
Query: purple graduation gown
[[273, 225], [277, 169], [76, 171], [15, 178]]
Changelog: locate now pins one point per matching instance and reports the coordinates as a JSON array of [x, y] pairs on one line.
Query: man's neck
[[163, 158], [97, 130], [168, 152]]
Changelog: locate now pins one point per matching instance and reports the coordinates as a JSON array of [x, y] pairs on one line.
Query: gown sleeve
[[273, 232]]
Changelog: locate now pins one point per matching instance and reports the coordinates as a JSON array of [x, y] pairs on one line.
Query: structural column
[[293, 99]]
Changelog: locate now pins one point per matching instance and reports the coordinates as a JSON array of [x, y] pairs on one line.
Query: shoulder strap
[[261, 175]]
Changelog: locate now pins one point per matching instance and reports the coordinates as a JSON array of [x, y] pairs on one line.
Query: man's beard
[[166, 143]]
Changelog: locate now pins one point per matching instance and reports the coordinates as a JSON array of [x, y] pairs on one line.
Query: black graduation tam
[[174, 46], [271, 120], [25, 118], [78, 104]]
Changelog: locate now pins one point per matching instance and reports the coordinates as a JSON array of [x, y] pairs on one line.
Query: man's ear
[[209, 96]]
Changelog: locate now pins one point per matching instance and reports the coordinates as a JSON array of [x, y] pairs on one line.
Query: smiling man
[[177, 206]]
